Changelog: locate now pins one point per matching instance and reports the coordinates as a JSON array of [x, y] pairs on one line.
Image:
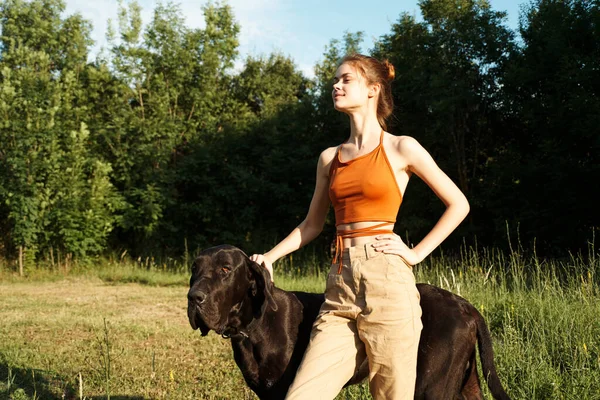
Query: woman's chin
[[339, 105]]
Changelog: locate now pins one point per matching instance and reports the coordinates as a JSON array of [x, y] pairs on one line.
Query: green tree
[[162, 89], [449, 71], [266, 85], [54, 193], [552, 94], [249, 184]]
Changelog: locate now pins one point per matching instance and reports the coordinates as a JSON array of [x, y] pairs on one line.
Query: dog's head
[[225, 283]]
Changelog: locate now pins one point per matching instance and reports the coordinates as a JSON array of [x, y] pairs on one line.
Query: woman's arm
[[420, 162], [312, 225]]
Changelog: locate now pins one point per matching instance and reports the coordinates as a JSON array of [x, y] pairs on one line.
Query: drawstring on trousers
[[353, 233]]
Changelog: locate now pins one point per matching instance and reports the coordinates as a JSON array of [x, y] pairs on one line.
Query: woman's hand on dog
[[260, 259]]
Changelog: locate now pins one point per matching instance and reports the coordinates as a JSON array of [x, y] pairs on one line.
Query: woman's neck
[[363, 128]]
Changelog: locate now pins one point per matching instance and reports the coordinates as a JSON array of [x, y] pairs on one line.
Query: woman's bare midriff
[[357, 241]]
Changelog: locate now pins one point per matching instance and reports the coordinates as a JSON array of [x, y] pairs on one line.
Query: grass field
[[120, 331]]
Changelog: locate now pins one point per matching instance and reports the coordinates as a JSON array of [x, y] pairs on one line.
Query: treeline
[[160, 145]]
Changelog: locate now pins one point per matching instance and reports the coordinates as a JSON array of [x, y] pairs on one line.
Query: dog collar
[[227, 332], [226, 335]]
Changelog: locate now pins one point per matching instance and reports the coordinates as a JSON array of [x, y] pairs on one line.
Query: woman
[[371, 306]]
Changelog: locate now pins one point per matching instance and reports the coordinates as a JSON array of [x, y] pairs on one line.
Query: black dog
[[270, 329]]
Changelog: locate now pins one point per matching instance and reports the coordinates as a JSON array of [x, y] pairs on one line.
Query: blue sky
[[298, 28]]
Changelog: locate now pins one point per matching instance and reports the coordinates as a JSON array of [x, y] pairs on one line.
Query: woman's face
[[350, 89]]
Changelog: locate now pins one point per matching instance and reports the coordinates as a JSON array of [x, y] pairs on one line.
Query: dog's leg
[[471, 389]]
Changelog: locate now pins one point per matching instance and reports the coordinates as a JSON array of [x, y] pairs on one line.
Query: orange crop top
[[363, 189]]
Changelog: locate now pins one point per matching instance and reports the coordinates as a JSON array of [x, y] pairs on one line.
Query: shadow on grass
[[27, 383]]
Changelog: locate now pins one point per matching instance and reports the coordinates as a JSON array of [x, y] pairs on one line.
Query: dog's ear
[[261, 287]]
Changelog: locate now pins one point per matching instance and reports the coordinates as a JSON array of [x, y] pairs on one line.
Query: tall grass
[[146, 271], [543, 315]]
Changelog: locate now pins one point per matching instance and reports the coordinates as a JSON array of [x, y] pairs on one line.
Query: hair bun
[[391, 72]]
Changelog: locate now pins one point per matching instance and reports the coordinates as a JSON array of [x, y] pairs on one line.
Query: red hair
[[376, 72]]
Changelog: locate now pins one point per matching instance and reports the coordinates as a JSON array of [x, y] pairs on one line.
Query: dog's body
[[270, 329]]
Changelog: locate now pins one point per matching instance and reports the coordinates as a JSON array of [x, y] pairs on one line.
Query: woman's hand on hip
[[260, 259], [392, 244]]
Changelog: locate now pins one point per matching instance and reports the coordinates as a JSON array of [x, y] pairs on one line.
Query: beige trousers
[[371, 310]]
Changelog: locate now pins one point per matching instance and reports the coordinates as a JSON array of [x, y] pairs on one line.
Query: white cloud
[[263, 22], [263, 25], [97, 12]]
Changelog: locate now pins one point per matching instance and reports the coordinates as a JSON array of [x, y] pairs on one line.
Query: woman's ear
[[374, 89]]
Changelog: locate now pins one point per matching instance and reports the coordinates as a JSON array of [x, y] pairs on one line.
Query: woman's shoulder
[[328, 154], [326, 160], [404, 143]]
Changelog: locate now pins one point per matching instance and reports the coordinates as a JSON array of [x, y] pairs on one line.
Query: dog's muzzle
[[195, 314]]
